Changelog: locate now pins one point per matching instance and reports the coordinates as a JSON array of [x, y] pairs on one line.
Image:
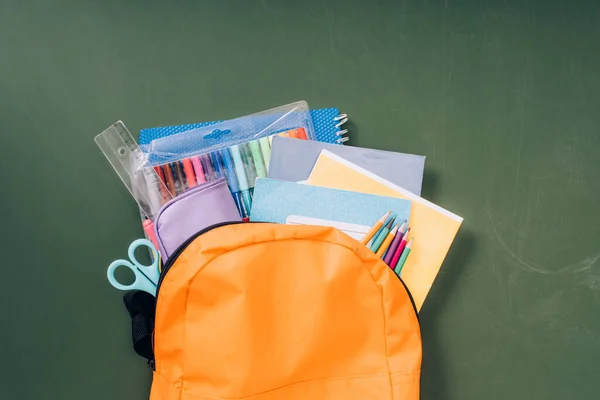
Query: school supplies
[[289, 202], [402, 261], [395, 243], [373, 231], [128, 160], [236, 149], [382, 234], [325, 319], [398, 252], [327, 123], [179, 162], [436, 226], [386, 243], [205, 140], [196, 209], [292, 160], [148, 226], [146, 276]]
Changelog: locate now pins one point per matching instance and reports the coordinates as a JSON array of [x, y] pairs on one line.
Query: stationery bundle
[[345, 249]]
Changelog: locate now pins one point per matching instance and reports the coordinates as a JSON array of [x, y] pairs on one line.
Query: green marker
[[265, 147], [382, 235], [403, 257], [261, 172]]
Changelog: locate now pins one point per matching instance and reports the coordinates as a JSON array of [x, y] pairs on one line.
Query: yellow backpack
[[266, 311]]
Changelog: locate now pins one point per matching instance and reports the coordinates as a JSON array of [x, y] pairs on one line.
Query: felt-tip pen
[[232, 181], [241, 175]]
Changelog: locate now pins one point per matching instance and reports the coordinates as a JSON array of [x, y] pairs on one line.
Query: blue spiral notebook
[[328, 123], [293, 203]]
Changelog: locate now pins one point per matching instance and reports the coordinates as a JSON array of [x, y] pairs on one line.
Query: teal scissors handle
[[146, 276], [141, 281], [151, 271]]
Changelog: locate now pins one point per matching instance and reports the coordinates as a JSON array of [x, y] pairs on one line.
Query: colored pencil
[[399, 250], [380, 237], [387, 241], [405, 253], [395, 243], [375, 228]]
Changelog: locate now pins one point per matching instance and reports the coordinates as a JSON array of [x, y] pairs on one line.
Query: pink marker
[[149, 230], [198, 170]]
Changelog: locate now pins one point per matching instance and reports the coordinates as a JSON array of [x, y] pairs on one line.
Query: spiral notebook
[[328, 124]]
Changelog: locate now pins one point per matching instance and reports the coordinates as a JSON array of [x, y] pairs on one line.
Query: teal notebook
[[294, 203]]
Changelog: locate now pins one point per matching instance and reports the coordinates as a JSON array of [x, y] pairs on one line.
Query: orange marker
[[386, 242], [189, 172], [301, 132], [293, 133], [375, 228]]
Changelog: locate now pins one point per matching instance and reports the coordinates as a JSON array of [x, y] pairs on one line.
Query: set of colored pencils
[[390, 242]]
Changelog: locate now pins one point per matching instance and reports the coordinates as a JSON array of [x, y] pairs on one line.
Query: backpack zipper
[[183, 246]]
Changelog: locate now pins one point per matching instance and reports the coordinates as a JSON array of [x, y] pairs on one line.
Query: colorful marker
[[241, 175], [163, 187], [216, 163], [150, 233], [265, 148], [395, 243], [301, 134], [178, 176], [209, 172], [199, 171], [259, 164], [375, 228], [170, 180], [249, 166], [232, 181], [188, 169], [405, 253]]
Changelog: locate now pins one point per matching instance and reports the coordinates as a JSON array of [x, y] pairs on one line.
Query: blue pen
[[232, 181], [241, 175], [215, 159]]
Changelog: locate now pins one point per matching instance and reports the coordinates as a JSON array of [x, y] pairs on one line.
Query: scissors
[[146, 276]]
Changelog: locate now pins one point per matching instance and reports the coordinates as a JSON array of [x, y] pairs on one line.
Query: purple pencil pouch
[[200, 207]]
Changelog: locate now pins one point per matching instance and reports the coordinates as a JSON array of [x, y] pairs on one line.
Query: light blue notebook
[[294, 203]]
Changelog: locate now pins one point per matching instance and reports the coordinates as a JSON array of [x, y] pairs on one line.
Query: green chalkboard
[[502, 96]]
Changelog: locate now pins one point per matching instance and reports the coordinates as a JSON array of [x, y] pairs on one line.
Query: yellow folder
[[432, 227]]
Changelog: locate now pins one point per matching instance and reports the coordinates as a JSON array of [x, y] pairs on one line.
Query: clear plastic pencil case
[[237, 150]]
